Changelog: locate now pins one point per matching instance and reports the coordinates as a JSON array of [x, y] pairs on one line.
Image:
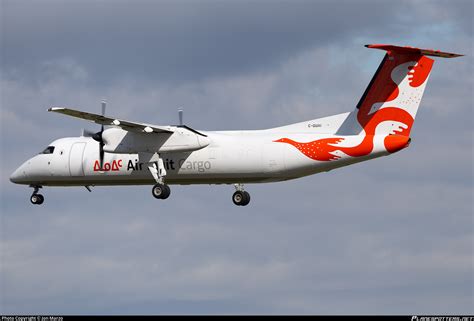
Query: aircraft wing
[[103, 120]]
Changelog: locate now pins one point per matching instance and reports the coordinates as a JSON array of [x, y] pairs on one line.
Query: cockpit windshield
[[48, 150]]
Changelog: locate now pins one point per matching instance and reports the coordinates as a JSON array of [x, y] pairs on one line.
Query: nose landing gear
[[36, 199], [240, 197]]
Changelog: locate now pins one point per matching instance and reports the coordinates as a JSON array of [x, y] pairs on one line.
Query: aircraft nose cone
[[17, 176]]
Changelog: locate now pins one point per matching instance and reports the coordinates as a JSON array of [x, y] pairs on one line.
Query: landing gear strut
[[240, 197], [157, 169], [36, 198]]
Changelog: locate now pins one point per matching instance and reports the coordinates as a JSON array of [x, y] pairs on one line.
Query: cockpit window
[[48, 150]]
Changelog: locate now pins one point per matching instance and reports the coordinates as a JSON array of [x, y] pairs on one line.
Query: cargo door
[[75, 159]]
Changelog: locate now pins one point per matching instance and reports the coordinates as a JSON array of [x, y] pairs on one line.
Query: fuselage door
[[75, 159]]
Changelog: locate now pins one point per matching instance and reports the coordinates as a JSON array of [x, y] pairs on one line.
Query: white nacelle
[[120, 141]]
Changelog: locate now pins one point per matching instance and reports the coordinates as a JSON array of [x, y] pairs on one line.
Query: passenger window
[[48, 150]]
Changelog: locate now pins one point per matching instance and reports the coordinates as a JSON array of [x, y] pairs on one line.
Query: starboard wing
[[104, 120]]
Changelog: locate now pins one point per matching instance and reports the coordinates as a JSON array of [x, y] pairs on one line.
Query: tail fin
[[386, 111], [393, 96]]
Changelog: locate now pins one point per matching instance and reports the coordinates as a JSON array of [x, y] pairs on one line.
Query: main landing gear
[[36, 198], [161, 191], [157, 169], [240, 197]]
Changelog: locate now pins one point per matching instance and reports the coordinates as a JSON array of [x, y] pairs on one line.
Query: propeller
[[87, 133], [98, 137]]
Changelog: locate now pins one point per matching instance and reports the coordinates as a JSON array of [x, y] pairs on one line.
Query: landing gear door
[[75, 159]]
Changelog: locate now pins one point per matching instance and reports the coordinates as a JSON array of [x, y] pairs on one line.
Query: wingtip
[[55, 108]]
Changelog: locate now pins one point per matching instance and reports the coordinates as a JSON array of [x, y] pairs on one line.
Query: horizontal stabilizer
[[412, 50]]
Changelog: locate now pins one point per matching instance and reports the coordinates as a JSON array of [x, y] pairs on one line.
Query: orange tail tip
[[412, 50], [394, 143]]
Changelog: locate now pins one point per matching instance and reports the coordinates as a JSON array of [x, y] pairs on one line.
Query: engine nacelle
[[121, 141]]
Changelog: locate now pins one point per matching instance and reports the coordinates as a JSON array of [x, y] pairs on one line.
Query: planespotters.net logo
[[431, 318]]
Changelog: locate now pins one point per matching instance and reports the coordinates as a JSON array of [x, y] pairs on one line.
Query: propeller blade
[[98, 136], [101, 155], [103, 103], [87, 133]]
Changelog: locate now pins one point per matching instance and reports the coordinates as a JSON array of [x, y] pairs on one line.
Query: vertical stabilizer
[[391, 100], [386, 111]]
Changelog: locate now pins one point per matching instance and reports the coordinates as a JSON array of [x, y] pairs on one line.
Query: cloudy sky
[[393, 235]]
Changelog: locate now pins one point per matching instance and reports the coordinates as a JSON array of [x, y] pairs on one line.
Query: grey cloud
[[187, 40]]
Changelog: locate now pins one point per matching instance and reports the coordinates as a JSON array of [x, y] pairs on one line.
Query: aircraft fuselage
[[231, 157]]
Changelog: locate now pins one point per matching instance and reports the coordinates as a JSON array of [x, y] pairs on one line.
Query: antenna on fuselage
[[180, 113]]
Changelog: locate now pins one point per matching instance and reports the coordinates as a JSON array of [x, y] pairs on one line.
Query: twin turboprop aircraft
[[131, 153]]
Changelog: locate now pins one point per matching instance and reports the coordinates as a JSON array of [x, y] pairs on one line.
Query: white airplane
[[131, 153]]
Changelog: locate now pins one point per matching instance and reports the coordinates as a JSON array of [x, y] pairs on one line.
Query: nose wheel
[[36, 199], [240, 197]]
